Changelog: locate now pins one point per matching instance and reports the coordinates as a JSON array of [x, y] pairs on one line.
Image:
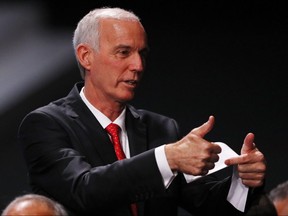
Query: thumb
[[204, 128], [248, 144]]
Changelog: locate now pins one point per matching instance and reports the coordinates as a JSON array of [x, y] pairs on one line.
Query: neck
[[111, 109]]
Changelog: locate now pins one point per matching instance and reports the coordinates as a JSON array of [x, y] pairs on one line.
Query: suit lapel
[[98, 144], [98, 139], [136, 131]]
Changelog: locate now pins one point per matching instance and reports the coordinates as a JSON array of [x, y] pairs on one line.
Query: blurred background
[[207, 58]]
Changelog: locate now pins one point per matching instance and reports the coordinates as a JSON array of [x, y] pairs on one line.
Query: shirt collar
[[104, 120]]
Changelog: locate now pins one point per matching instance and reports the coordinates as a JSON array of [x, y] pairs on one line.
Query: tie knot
[[113, 129]]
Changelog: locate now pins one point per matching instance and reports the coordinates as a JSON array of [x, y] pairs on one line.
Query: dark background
[[207, 57]]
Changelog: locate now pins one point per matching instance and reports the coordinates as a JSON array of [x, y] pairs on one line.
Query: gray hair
[[280, 192], [87, 30], [57, 208]]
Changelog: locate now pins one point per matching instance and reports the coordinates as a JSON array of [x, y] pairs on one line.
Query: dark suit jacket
[[71, 159]]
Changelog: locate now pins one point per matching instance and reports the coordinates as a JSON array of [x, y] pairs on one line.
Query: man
[[70, 156], [34, 204]]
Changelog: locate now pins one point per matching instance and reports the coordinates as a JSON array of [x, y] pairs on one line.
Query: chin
[[127, 98]]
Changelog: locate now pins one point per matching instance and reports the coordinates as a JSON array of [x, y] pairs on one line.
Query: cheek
[[116, 64], [109, 67], [109, 64]]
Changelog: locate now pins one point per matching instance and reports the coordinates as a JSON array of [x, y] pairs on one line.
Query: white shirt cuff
[[163, 166]]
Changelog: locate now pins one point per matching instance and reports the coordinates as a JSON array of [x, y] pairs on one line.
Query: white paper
[[226, 153], [238, 192]]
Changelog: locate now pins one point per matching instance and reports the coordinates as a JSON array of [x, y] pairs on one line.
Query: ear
[[83, 55]]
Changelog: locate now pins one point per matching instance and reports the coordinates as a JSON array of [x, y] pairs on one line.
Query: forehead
[[30, 207], [114, 30]]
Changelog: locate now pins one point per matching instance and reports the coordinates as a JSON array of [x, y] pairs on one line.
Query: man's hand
[[251, 164], [193, 154]]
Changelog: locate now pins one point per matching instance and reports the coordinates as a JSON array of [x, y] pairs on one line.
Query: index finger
[[236, 160]]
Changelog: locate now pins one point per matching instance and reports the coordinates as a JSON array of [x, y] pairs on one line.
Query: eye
[[123, 52]]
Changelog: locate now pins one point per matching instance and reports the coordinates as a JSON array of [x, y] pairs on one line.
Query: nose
[[137, 62]]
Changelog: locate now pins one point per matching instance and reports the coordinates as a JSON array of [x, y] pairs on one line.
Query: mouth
[[131, 82]]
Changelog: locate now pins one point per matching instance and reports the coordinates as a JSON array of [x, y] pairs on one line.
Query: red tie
[[113, 131]]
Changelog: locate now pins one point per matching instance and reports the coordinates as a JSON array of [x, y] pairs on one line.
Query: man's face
[[281, 206], [118, 66]]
